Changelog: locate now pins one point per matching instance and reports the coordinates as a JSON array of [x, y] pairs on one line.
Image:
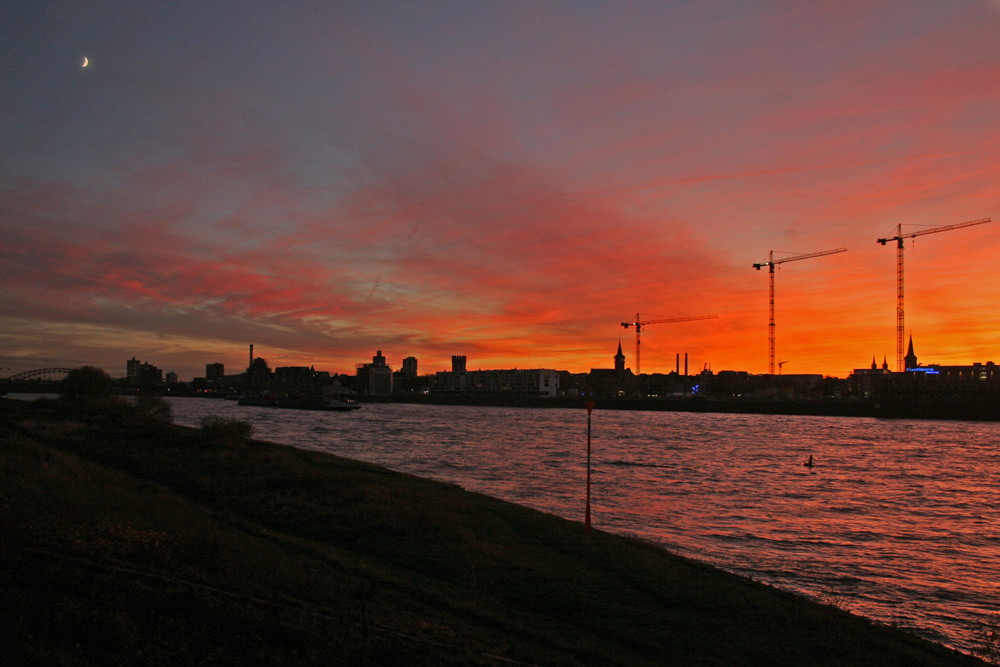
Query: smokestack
[[678, 371], [251, 356], [685, 364]]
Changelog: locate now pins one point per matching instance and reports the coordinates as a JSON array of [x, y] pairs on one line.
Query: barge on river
[[300, 402]]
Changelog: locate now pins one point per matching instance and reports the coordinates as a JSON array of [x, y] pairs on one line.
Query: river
[[897, 520]]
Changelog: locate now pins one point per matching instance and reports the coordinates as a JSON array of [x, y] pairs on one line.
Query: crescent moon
[[85, 62]]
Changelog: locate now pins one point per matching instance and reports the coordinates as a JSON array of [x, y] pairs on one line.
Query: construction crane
[[770, 264], [639, 324], [898, 238]]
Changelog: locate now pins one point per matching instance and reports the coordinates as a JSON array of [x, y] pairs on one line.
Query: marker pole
[[590, 407]]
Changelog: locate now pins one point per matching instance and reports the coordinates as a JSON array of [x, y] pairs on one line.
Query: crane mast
[[639, 324], [898, 238], [770, 264]]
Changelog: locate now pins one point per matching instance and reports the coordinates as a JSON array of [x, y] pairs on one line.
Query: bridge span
[[47, 374]]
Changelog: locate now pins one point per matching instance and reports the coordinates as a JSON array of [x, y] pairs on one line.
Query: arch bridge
[[50, 374]]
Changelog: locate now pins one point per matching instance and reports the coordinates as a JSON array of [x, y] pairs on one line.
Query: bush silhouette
[[151, 406], [226, 431]]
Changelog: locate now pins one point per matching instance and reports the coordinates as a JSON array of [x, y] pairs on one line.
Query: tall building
[[258, 375], [410, 367], [376, 377], [214, 372], [140, 373], [294, 379]]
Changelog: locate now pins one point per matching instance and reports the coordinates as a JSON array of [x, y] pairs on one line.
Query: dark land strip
[[125, 540]]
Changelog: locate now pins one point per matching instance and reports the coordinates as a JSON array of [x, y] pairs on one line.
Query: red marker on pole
[[590, 407]]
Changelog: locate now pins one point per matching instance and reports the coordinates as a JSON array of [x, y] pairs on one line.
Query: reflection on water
[[897, 520]]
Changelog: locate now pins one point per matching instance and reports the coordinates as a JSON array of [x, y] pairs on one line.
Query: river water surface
[[896, 521]]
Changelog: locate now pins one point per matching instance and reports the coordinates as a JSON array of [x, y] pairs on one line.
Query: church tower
[[910, 360], [620, 360]]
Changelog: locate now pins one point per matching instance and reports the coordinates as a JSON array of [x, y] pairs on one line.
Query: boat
[[308, 402]]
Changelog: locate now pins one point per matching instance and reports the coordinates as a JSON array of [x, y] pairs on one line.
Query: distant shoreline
[[984, 408], [987, 409]]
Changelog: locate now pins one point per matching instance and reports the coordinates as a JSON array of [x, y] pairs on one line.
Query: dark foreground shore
[[125, 540]]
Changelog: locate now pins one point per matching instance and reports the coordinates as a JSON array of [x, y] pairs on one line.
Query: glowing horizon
[[504, 182]]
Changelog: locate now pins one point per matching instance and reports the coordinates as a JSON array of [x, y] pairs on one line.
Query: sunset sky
[[506, 180]]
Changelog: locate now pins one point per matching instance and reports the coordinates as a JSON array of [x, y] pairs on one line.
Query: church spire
[[910, 360], [620, 358]]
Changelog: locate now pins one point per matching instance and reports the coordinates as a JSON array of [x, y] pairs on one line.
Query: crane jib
[[933, 230]]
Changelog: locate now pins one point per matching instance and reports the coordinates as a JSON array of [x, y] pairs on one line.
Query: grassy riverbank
[[124, 540]]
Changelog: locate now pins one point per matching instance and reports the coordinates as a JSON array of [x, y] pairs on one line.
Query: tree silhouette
[[86, 381]]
